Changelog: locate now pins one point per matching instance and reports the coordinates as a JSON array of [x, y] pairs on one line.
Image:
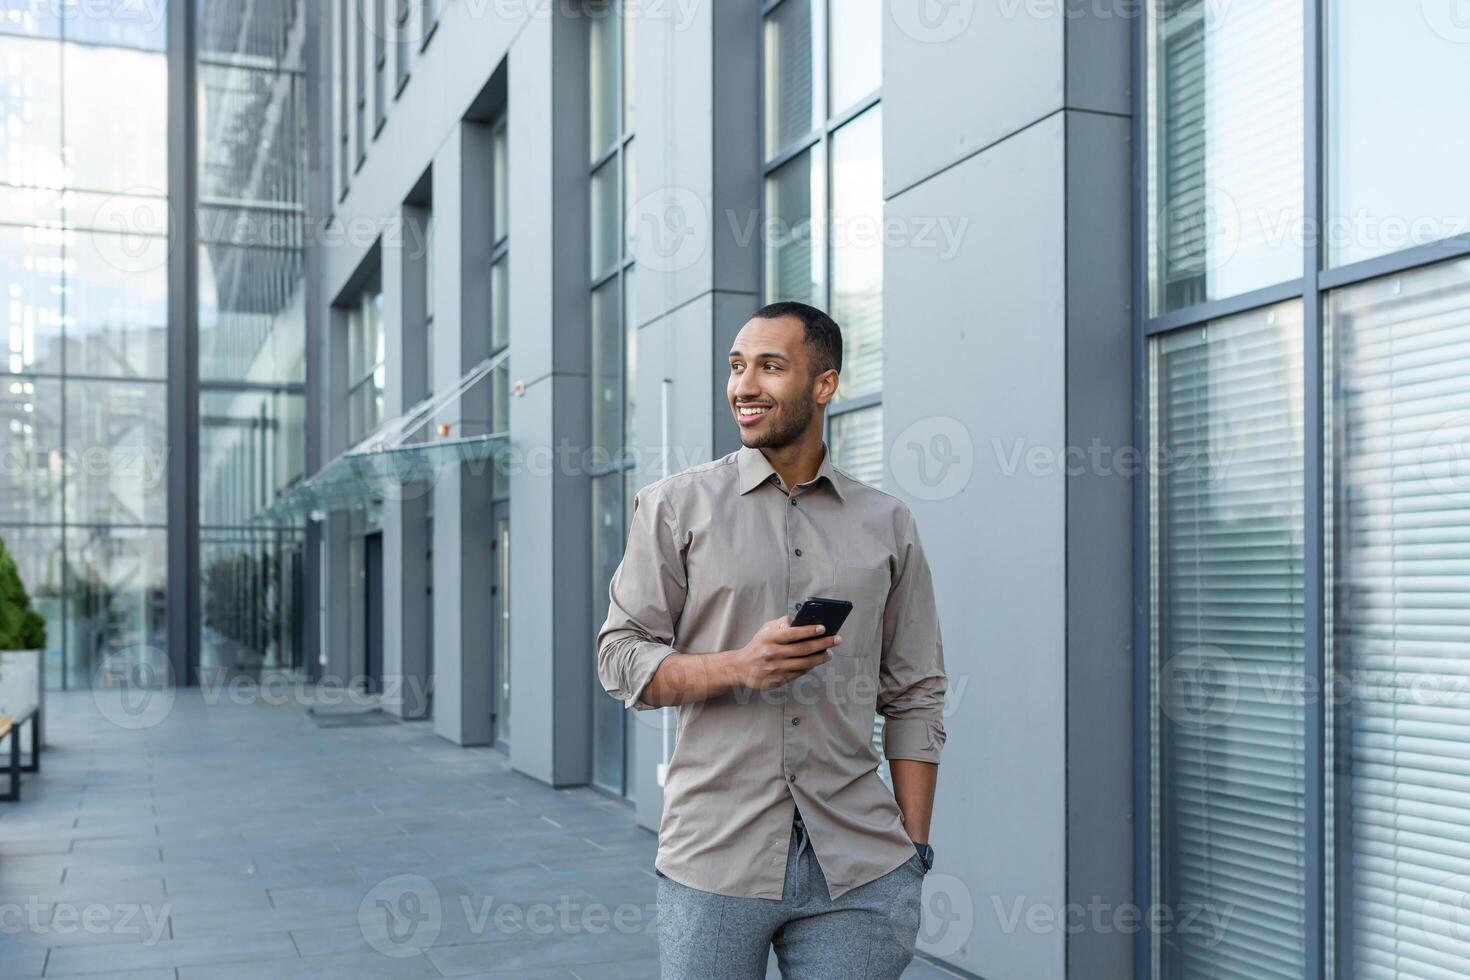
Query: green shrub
[[21, 627]]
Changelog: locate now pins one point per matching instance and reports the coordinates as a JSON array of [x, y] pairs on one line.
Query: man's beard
[[786, 427]]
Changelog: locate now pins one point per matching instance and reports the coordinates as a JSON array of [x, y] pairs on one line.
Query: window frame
[[1327, 934], [819, 142]]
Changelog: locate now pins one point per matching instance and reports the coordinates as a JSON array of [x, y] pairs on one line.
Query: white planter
[[22, 687]]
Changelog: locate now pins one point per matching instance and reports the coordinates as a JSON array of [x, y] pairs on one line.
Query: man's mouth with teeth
[[749, 413]]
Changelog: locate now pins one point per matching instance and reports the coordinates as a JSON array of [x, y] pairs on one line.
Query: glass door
[[500, 629]]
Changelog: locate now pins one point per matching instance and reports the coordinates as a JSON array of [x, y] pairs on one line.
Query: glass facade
[[84, 243], [1306, 496], [614, 330], [251, 151]]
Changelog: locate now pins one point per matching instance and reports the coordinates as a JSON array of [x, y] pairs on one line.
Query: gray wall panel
[[976, 348]]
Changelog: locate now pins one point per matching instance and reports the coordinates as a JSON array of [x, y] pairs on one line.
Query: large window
[[824, 198], [252, 333], [366, 367], [612, 178], [1400, 638], [1225, 114], [84, 451], [1307, 412], [1226, 547]]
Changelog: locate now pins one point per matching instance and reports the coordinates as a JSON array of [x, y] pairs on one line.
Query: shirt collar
[[755, 469]]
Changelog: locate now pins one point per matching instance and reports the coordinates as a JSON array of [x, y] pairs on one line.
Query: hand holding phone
[[830, 614]]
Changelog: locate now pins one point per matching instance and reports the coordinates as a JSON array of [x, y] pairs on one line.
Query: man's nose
[[746, 386]]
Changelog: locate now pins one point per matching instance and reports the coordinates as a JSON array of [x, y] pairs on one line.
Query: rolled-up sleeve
[[646, 599], [912, 682]]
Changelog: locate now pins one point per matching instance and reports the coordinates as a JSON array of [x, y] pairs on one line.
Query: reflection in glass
[[857, 251], [607, 369], [251, 317], [30, 451], [115, 582], [791, 58], [502, 630], [501, 169], [1226, 540], [366, 364], [116, 453], [629, 22], [117, 305], [603, 62], [630, 360], [857, 444], [39, 560], [794, 253], [31, 266], [607, 550], [856, 28], [251, 449], [500, 303], [606, 235], [116, 135], [630, 195], [30, 112], [1225, 166], [1400, 571], [252, 593], [1396, 135]]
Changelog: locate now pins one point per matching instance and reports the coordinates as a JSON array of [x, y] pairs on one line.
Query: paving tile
[[174, 953]]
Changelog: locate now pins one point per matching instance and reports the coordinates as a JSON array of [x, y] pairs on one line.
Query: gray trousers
[[867, 934]]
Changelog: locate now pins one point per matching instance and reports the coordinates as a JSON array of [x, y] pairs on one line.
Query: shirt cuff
[[919, 739], [643, 664]]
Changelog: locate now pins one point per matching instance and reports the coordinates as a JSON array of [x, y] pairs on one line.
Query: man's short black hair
[[821, 332]]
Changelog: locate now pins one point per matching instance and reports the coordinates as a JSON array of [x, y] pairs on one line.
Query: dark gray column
[[1009, 253], [698, 197], [405, 543], [183, 352], [318, 207], [551, 520], [462, 494]]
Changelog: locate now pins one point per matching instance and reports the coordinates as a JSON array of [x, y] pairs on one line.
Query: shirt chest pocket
[[867, 590]]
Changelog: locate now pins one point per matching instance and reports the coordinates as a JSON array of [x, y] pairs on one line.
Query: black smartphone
[[831, 613]]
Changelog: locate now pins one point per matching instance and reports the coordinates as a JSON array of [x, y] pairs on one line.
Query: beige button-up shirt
[[713, 553]]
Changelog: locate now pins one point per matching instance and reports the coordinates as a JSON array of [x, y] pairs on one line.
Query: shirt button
[[798, 552], [793, 501], [791, 777], [796, 721], [797, 607]]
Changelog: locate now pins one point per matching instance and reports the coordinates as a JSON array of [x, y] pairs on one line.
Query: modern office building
[[152, 249], [1157, 317]]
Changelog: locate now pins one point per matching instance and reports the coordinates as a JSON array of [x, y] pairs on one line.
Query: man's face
[[772, 392]]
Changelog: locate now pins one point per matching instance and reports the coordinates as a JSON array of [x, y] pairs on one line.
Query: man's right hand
[[779, 653]]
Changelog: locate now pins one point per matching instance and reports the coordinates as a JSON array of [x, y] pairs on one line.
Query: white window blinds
[[1226, 647], [1401, 623]]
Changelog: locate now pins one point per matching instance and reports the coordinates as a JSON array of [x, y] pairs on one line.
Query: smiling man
[[777, 829]]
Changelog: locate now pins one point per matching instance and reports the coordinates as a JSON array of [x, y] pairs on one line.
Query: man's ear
[[826, 386]]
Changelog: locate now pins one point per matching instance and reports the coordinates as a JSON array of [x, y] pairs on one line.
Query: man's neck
[[797, 462]]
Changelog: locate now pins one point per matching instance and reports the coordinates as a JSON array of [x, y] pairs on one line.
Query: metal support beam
[[183, 351]]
